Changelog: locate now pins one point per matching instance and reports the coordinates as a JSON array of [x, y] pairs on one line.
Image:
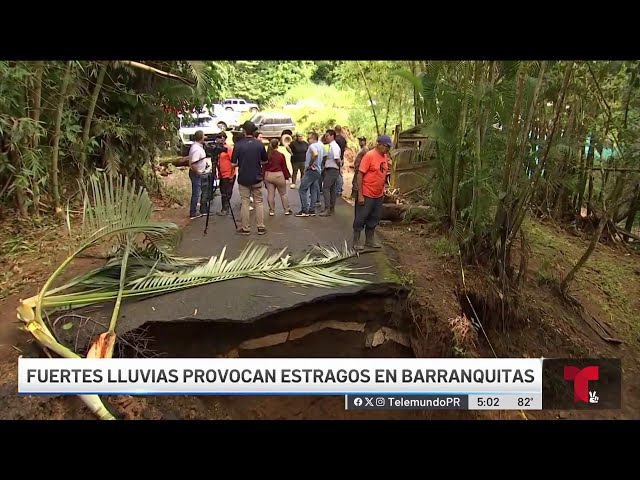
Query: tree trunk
[[532, 187], [564, 285], [36, 101], [605, 176], [416, 98], [501, 221], [386, 115], [485, 119], [589, 171], [83, 167], [373, 107], [477, 160], [616, 199], [456, 158], [590, 195], [582, 183], [559, 203], [55, 150], [627, 101], [21, 198], [633, 211]]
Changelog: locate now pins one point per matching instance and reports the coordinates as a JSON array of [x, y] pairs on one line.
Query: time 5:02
[[488, 401]]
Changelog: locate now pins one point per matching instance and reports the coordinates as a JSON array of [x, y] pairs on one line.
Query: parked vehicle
[[189, 126], [226, 119], [240, 105], [273, 124]]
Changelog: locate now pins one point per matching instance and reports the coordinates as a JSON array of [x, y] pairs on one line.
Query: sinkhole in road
[[375, 324], [367, 324]]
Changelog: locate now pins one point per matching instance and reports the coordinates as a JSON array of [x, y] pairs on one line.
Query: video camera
[[213, 149]]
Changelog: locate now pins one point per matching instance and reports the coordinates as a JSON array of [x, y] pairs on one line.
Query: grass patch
[[320, 107], [445, 247], [545, 274], [607, 279], [553, 244], [26, 245]]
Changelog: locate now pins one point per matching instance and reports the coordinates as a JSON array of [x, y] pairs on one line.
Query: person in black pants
[[298, 156], [227, 175]]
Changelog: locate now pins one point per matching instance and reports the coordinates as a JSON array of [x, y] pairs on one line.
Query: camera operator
[[198, 170], [227, 174]]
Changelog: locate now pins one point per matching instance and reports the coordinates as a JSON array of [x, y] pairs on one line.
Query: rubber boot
[[356, 241], [370, 239]]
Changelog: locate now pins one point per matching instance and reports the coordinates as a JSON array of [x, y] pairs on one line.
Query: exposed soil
[[541, 325]]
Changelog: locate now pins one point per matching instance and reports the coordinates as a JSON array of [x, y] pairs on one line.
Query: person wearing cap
[[356, 164], [371, 179], [299, 154], [249, 155]]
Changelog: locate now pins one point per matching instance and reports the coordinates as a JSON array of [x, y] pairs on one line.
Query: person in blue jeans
[[310, 184], [199, 172], [341, 140]]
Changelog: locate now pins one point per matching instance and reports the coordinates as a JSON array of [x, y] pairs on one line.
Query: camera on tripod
[[213, 149]]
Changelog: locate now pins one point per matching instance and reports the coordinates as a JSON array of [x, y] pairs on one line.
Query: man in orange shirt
[[227, 175], [371, 178]]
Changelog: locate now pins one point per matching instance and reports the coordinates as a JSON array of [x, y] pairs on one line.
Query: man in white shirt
[[331, 169], [199, 174]]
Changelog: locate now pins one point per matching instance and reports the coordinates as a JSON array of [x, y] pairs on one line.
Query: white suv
[[240, 105], [189, 126]]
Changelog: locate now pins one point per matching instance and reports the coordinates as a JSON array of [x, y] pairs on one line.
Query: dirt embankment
[[542, 323]]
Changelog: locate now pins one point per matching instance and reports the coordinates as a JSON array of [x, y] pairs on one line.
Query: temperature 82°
[[505, 402]]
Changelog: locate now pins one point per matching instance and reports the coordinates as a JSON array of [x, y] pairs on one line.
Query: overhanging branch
[[159, 72]]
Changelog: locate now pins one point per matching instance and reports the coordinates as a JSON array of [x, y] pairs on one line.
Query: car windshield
[[197, 122]]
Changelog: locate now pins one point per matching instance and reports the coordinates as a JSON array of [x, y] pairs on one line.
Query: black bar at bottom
[[406, 402]]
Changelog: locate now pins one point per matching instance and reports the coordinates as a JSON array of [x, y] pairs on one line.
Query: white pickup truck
[[210, 124], [189, 126]]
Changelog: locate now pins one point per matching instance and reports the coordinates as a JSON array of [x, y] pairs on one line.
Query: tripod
[[215, 172]]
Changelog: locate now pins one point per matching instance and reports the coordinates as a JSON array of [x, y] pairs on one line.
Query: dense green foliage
[[506, 138]]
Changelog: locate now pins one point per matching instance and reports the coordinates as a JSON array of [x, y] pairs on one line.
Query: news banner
[[378, 383]]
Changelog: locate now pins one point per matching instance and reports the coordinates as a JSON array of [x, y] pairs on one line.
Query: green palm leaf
[[322, 268], [115, 207], [408, 75]]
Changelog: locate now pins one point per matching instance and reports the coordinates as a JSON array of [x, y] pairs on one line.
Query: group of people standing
[[316, 162], [320, 163]]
